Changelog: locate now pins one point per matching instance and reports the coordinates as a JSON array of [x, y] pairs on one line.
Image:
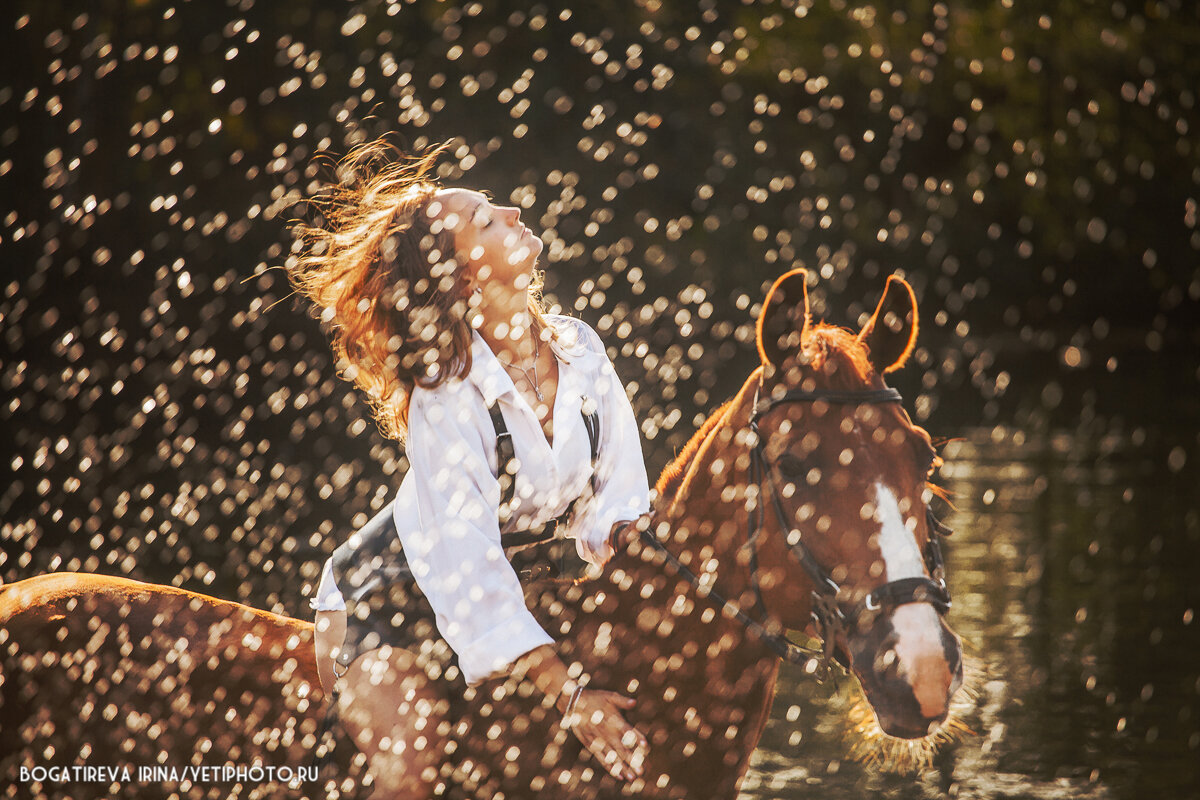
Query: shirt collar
[[493, 380], [487, 373]]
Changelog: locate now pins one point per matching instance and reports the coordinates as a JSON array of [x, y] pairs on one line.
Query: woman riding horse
[[801, 503], [518, 433]]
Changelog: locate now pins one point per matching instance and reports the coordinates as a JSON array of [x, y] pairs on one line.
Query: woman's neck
[[507, 325]]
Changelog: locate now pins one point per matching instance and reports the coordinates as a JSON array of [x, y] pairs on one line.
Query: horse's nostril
[[887, 664], [954, 659]]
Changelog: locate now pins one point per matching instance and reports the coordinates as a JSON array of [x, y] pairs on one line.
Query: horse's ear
[[784, 318], [891, 331]]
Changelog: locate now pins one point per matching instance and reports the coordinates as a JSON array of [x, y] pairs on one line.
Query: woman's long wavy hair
[[384, 274]]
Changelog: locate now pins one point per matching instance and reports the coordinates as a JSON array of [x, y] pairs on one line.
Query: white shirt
[[447, 505]]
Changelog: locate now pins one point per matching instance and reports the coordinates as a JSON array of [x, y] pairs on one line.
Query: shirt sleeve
[[454, 549], [622, 489]]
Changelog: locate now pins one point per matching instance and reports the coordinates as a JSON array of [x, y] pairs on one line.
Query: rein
[[828, 614]]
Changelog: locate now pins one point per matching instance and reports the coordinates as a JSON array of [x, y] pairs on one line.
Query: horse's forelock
[[828, 343]]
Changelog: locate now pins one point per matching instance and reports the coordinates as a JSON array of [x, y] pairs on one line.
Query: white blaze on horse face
[[901, 557], [919, 649]]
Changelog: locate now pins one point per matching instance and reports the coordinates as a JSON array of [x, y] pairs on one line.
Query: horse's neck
[[713, 676], [707, 516], [703, 680], [685, 628]]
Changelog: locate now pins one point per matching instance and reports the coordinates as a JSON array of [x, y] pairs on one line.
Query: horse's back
[[49, 596], [56, 608], [106, 671]]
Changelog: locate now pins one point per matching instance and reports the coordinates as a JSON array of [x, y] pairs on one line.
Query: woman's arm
[[448, 525], [621, 495], [457, 560], [622, 488]]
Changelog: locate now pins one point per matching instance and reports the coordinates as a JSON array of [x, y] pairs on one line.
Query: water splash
[[869, 745]]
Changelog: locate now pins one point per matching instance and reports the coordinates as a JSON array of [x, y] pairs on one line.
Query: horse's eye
[[791, 466]]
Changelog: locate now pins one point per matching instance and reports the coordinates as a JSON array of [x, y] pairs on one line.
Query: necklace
[[533, 381]]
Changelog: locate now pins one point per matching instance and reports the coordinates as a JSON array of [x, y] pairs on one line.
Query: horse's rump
[[108, 672]]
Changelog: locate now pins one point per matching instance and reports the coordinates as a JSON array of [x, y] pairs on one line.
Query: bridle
[[830, 617]]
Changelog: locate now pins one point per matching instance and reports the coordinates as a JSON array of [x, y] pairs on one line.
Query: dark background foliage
[[171, 413]]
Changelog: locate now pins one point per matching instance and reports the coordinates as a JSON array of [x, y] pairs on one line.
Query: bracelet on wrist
[[567, 718]]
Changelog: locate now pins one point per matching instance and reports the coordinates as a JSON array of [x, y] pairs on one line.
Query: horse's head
[[844, 503]]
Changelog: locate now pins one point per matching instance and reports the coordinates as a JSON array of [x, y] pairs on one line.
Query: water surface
[[1073, 568]]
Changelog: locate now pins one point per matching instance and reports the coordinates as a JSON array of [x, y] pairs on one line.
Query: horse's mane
[[672, 474], [822, 343]]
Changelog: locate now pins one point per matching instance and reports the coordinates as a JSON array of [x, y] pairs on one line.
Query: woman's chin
[[536, 245]]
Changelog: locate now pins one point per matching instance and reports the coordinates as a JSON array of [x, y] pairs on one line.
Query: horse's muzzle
[[909, 664]]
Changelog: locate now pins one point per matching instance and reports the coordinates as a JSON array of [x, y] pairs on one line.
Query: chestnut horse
[[802, 503]]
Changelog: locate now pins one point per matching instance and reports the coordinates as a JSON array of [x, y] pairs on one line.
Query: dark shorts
[[384, 605]]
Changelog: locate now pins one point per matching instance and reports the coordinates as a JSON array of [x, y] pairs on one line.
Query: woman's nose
[[511, 214]]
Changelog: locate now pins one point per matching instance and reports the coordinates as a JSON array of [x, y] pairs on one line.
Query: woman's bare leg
[[395, 714], [398, 718]]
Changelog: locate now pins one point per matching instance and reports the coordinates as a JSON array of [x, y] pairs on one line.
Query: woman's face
[[496, 246]]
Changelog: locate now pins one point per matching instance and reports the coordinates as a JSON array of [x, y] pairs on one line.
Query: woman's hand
[[592, 714], [596, 720]]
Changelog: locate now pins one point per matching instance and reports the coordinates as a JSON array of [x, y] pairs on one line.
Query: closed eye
[[483, 217]]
